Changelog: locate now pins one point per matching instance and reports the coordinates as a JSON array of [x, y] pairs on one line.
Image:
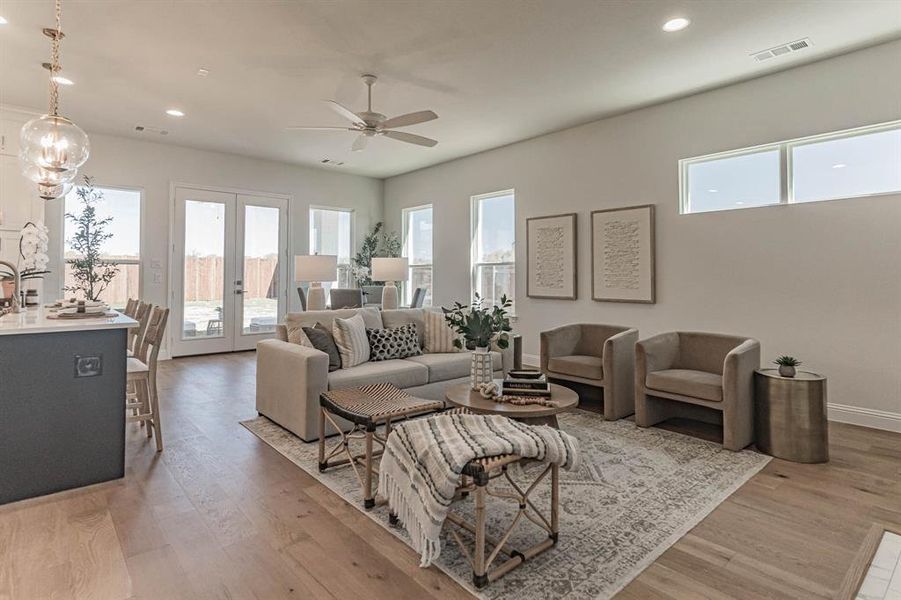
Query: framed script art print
[[622, 254], [552, 256]]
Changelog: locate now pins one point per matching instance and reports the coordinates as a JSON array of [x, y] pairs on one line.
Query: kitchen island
[[62, 402]]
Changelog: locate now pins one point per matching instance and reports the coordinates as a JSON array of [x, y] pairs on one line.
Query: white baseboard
[[531, 360], [865, 417]]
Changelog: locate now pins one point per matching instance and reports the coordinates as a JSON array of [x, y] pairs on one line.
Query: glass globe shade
[[52, 192], [53, 143], [47, 177]]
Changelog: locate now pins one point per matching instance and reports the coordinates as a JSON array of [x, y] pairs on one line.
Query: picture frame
[[552, 257], [623, 255]]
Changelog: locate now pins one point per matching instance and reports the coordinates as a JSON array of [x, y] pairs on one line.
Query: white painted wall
[[819, 281]]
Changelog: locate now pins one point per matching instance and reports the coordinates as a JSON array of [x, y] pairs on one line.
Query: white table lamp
[[389, 270], [314, 269]]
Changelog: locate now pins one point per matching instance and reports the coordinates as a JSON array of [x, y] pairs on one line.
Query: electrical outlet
[[88, 366]]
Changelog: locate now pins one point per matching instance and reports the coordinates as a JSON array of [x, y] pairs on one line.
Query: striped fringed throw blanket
[[423, 460]]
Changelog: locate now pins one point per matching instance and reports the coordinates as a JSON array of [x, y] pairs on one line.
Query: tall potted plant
[[480, 327], [377, 243], [91, 274]]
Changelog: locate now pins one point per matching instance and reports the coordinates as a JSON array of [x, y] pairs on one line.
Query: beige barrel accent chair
[[602, 356], [679, 371]]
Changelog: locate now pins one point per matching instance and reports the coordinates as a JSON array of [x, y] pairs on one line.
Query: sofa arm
[[290, 378], [619, 374], [656, 353], [561, 341], [738, 373]]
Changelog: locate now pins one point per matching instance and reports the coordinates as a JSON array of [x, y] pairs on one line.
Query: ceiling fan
[[370, 124]]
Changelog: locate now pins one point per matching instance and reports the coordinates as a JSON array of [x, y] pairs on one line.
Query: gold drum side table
[[790, 416]]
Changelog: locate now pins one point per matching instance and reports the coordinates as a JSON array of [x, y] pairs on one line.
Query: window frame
[[351, 237], [474, 264], [142, 249], [405, 214], [786, 171]]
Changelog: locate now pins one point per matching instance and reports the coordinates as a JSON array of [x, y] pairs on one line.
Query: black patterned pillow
[[398, 342]]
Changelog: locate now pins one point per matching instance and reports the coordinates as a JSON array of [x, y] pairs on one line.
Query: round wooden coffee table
[[533, 414]]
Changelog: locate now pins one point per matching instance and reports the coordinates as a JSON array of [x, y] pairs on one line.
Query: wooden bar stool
[[130, 307], [136, 334], [142, 377]]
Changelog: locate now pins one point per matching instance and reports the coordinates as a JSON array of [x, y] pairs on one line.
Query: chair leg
[[143, 394], [368, 499], [155, 408], [479, 568], [322, 464]]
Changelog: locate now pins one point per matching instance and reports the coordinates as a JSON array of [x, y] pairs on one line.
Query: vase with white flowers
[[480, 326], [33, 258]]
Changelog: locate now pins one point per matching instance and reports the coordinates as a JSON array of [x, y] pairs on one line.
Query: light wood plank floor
[[221, 515]]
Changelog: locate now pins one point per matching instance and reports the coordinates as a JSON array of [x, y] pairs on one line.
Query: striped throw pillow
[[350, 337], [297, 336], [439, 337]]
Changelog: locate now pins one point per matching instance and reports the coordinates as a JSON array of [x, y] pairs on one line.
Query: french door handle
[[240, 291]]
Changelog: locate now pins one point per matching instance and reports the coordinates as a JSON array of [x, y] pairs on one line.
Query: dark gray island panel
[[61, 425]]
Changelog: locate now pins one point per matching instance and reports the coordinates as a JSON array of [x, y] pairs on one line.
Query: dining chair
[[303, 299], [141, 376], [346, 298]]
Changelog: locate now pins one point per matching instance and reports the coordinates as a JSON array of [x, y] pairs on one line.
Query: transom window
[[494, 246], [418, 250], [847, 164]]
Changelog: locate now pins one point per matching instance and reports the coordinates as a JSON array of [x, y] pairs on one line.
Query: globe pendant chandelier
[[51, 146]]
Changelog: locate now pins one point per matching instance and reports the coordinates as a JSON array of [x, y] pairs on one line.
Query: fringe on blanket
[[390, 474]]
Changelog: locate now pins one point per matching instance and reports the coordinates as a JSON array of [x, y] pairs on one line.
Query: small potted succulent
[[787, 365]]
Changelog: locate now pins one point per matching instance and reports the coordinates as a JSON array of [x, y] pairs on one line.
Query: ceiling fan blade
[[410, 138], [305, 128], [345, 112], [413, 118], [360, 143]]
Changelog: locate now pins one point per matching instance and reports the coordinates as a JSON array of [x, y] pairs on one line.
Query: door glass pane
[[847, 167], [734, 182], [261, 284], [204, 269]]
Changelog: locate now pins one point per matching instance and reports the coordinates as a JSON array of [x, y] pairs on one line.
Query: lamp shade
[[316, 267], [389, 269]]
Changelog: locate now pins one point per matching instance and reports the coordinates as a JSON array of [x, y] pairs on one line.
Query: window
[[845, 164], [418, 250], [331, 232], [123, 248], [493, 246]]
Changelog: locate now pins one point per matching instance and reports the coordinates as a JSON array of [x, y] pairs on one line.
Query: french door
[[229, 269]]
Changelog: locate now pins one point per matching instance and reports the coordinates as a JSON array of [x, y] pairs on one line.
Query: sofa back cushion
[[402, 316], [705, 351], [371, 318]]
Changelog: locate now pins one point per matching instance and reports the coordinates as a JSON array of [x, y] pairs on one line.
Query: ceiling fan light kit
[[369, 123]]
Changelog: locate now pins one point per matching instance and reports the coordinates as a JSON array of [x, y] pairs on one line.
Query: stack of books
[[525, 382]]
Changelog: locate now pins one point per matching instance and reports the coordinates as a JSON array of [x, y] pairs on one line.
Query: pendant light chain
[[54, 61]]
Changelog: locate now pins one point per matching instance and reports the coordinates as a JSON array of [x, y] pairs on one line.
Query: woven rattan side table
[[368, 408]]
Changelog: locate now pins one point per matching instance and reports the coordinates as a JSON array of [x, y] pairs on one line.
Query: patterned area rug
[[636, 493]]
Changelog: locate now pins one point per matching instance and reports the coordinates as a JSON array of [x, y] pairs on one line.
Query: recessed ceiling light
[[174, 112], [677, 24], [63, 80], [203, 72], [3, 21], [839, 166], [712, 191]]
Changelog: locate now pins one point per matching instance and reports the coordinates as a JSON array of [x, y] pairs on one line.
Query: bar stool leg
[[479, 575], [155, 408]]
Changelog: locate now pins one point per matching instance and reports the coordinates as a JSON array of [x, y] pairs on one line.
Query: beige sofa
[[290, 377], [602, 356], [681, 373]]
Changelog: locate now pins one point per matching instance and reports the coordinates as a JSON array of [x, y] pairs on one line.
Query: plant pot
[[481, 371], [787, 371]]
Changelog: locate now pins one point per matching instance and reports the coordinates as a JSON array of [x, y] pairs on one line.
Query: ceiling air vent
[[145, 129], [330, 162], [781, 50]]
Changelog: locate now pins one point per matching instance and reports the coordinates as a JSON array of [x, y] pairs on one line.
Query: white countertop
[[34, 320]]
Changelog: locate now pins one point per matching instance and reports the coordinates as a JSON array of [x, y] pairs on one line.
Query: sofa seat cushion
[[402, 373], [578, 365], [685, 382], [444, 366]]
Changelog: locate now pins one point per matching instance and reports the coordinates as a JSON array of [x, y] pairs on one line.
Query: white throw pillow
[[352, 342], [439, 337]]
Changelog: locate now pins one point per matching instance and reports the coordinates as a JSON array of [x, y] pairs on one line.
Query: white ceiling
[[495, 71]]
